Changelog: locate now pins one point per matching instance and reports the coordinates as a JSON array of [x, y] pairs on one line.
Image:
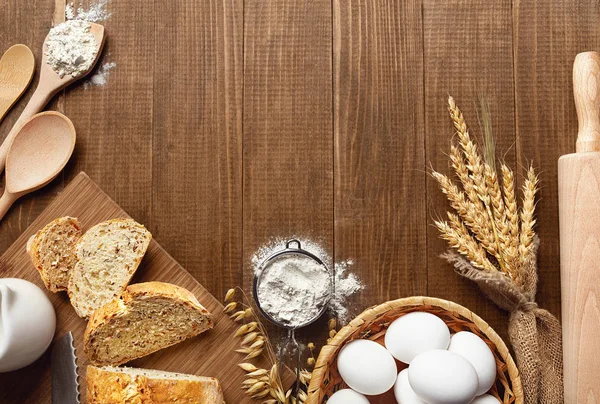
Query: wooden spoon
[[16, 71], [39, 151], [50, 83]]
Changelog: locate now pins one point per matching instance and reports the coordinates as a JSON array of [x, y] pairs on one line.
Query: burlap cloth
[[534, 333]]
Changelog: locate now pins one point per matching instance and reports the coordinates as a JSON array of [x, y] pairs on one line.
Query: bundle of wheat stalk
[[495, 245], [262, 384]]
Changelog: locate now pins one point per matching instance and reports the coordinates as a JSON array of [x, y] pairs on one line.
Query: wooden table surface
[[227, 123]]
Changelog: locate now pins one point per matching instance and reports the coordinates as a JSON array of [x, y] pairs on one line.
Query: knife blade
[[65, 386]]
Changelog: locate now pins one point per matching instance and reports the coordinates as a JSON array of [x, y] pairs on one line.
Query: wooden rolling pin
[[579, 211]]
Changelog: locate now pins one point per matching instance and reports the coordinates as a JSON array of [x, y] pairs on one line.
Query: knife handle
[[586, 89]]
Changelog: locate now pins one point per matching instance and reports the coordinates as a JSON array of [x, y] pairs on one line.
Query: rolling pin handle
[[586, 89]]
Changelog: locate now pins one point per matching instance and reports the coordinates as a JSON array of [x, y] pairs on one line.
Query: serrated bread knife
[[65, 386]]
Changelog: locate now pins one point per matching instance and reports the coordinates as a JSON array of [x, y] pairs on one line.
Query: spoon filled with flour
[[71, 50]]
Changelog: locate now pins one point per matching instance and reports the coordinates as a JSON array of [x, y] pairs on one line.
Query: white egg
[[403, 392], [347, 396], [367, 367], [475, 350], [486, 399], [443, 377], [415, 333]]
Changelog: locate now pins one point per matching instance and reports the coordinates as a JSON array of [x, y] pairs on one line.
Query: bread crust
[[111, 386], [33, 245], [137, 261], [120, 306]]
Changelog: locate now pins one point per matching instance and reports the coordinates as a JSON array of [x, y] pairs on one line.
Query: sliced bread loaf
[[146, 318], [52, 251], [145, 386], [108, 254]]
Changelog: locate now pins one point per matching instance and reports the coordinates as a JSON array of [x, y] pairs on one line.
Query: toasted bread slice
[[52, 251], [144, 386], [146, 318], [108, 255]]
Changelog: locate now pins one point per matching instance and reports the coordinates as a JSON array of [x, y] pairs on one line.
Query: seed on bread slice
[[146, 318], [108, 255], [140, 386], [52, 251]]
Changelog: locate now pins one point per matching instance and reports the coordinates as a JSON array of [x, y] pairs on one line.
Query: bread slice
[[146, 318], [144, 386], [52, 251], [108, 254]]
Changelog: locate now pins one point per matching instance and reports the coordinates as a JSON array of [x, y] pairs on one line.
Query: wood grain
[[287, 151], [468, 53], [210, 354], [380, 214], [197, 132], [548, 35], [114, 122], [227, 123]]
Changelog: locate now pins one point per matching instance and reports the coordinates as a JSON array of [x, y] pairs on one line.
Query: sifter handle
[[586, 89]]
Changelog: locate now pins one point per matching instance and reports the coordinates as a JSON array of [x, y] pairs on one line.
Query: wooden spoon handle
[[38, 101], [6, 202], [586, 88]]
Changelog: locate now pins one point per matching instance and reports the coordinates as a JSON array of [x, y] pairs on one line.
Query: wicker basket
[[372, 324]]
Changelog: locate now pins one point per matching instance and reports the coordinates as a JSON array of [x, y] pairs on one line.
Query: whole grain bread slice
[[146, 318], [144, 386], [52, 251], [108, 255]]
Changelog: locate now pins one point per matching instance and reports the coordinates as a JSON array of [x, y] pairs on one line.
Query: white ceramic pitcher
[[27, 323]]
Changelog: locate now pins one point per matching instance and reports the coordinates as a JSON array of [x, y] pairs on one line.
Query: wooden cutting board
[[210, 354]]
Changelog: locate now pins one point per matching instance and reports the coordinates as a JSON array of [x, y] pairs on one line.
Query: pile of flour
[[298, 286], [293, 289], [71, 48]]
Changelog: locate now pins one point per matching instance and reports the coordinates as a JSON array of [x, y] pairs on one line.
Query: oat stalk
[[260, 384]]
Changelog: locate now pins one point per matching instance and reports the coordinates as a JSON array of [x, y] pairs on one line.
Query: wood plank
[[27, 23], [288, 166], [380, 214], [197, 148], [114, 122], [468, 53], [210, 354], [548, 36]]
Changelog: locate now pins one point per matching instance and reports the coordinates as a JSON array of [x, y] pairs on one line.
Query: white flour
[[345, 284], [71, 48], [294, 289], [95, 13], [307, 295], [100, 77]]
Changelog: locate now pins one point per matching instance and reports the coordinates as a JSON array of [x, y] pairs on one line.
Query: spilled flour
[[96, 12], [100, 77], [298, 285]]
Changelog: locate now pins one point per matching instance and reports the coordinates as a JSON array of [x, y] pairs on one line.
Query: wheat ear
[[474, 163], [459, 238], [478, 173], [527, 219], [472, 214]]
